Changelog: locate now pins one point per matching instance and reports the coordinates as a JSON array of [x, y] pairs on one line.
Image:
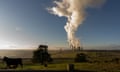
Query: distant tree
[[41, 55], [81, 57], [116, 60]]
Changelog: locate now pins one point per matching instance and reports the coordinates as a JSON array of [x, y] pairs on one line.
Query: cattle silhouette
[[13, 62]]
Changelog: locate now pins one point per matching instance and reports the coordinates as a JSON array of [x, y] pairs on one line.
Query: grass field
[[100, 61]]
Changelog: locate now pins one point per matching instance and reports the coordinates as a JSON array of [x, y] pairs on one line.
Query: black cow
[[13, 62]]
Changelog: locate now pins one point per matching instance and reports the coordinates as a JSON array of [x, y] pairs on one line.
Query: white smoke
[[74, 11]]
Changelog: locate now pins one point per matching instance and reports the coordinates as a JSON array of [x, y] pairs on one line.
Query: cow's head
[[5, 58]]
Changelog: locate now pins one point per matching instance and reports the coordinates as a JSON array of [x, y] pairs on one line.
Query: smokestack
[[74, 11]]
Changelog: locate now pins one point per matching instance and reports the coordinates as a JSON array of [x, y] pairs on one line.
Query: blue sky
[[27, 23]]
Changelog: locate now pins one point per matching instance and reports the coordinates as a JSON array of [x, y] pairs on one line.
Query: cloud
[[75, 12]]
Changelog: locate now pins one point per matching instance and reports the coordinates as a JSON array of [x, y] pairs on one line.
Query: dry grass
[[100, 61]]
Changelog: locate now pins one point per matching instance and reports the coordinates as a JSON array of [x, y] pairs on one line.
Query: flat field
[[100, 61]]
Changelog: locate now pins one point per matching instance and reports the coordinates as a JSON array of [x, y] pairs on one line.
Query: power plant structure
[[80, 48]]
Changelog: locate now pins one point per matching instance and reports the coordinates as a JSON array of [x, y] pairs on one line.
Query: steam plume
[[74, 11]]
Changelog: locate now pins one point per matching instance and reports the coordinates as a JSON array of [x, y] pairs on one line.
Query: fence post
[[70, 67]]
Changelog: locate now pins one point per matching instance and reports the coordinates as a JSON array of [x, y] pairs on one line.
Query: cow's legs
[[15, 66], [21, 65], [8, 66]]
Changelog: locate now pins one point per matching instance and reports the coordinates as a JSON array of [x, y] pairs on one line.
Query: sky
[[24, 24]]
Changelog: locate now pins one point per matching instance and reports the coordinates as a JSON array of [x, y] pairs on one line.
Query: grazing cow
[[13, 62]]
